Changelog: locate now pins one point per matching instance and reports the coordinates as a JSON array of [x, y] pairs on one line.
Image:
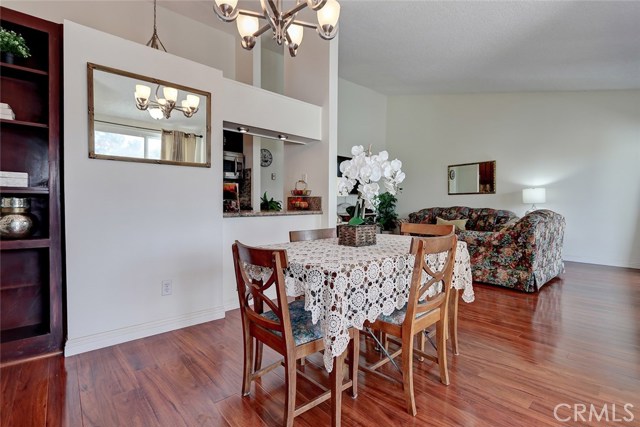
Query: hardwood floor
[[576, 342]]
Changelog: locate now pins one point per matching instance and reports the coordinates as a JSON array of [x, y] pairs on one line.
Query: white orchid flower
[[356, 150], [376, 173], [364, 171], [345, 165]]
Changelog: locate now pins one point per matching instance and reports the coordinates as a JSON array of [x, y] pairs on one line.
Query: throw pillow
[[459, 223]]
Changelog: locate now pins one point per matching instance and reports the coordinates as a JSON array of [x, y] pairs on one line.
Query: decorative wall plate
[[266, 158]]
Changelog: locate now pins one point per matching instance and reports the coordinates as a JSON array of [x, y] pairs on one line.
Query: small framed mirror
[[136, 118], [472, 178]]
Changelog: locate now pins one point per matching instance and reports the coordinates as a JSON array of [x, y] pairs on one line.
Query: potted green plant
[[268, 204], [12, 44], [387, 217]]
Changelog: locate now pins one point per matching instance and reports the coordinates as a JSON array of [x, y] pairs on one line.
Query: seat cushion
[[304, 330], [398, 315]]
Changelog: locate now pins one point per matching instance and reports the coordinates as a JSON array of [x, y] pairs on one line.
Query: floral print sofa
[[519, 253]]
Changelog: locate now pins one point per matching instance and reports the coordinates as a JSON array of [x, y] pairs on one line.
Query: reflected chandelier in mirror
[[142, 129], [472, 178]]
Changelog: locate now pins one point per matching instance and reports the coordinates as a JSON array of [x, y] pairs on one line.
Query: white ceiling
[[417, 47]]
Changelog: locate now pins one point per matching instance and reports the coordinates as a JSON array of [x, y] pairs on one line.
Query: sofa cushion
[[459, 223]]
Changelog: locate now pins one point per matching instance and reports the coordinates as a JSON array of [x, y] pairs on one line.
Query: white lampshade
[[170, 93], [329, 13], [231, 3], [247, 25], [156, 113], [534, 195], [143, 91], [296, 32], [193, 101]]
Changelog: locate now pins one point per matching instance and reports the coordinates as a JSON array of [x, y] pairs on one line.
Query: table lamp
[[533, 196]]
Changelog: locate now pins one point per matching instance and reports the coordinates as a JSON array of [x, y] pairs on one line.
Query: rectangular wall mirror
[[141, 119], [472, 178]]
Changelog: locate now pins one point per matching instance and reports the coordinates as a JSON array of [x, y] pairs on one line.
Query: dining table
[[345, 286]]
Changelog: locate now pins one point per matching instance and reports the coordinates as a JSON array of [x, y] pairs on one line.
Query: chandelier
[[154, 41], [284, 25], [162, 107]]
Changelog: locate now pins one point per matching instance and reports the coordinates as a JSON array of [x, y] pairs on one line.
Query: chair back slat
[[434, 258], [257, 271], [321, 233], [411, 229]]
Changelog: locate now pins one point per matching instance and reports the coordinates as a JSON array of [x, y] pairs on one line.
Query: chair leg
[[290, 397], [337, 376], [407, 374], [441, 339], [453, 322], [354, 355], [258, 357], [420, 344], [246, 371]]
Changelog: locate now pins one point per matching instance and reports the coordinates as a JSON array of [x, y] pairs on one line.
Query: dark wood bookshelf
[[24, 191], [4, 122], [31, 286], [12, 69], [8, 245]]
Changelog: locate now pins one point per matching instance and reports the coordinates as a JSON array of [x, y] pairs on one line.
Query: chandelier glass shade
[[162, 107], [283, 23]]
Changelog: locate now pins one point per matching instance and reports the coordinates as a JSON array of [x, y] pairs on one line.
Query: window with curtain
[[182, 147], [128, 141]]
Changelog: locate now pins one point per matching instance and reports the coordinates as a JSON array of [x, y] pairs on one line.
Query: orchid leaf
[[356, 221]]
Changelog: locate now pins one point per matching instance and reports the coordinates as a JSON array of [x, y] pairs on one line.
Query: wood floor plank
[[29, 407], [9, 377], [575, 342]]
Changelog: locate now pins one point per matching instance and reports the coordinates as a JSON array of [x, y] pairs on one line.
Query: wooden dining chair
[[320, 233], [438, 230], [426, 306], [286, 327]]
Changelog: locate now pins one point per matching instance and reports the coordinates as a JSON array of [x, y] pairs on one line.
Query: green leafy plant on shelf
[[387, 216], [268, 204], [13, 43]]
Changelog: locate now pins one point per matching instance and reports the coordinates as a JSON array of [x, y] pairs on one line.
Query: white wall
[[362, 118], [131, 225], [272, 69], [133, 20], [312, 76], [584, 147]]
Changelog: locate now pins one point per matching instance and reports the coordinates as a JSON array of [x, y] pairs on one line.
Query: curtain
[[179, 146]]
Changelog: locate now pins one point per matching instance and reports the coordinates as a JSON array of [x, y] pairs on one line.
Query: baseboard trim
[[231, 305], [635, 264], [117, 336]]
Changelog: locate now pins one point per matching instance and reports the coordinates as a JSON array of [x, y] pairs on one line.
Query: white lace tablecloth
[[343, 286]]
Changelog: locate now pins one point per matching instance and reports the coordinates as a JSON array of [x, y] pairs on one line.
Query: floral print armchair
[[522, 254]]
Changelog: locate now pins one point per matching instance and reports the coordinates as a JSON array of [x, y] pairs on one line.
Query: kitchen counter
[[269, 213]]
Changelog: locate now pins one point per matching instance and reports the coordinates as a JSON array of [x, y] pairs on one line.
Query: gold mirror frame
[[485, 182], [91, 109]]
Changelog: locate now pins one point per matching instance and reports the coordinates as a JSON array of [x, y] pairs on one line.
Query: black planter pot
[[7, 57]]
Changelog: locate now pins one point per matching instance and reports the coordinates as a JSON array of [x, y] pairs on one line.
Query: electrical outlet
[[167, 288], [273, 177]]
